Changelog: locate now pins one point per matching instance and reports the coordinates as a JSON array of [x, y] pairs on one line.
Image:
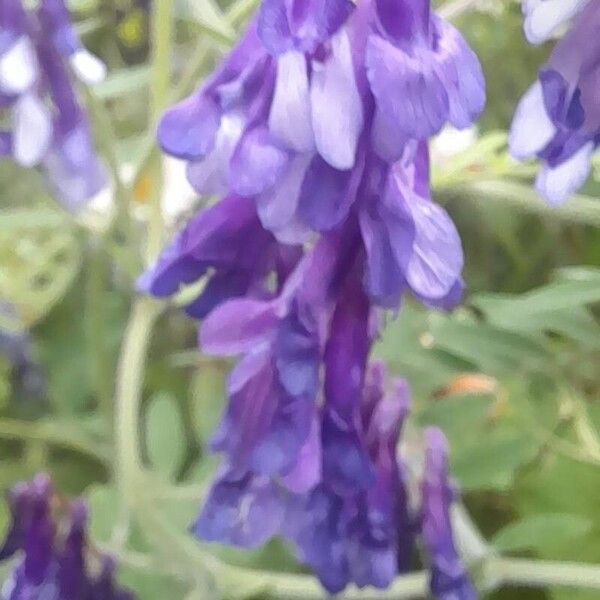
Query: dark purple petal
[[449, 578], [297, 351], [404, 20], [316, 524], [346, 465], [221, 235], [242, 509], [327, 194], [253, 400], [238, 326], [71, 574]]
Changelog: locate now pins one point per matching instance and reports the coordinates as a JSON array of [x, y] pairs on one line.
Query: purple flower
[[315, 130], [38, 51], [225, 244], [315, 93], [363, 535], [47, 536], [558, 118], [449, 578], [27, 377]]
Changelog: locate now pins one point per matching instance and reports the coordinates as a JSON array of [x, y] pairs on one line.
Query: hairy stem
[[541, 573]]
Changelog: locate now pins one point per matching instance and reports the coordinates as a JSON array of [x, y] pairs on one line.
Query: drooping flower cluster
[[558, 119], [47, 537], [46, 125], [315, 130]]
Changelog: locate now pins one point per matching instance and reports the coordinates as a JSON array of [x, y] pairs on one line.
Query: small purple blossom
[[558, 120], [449, 578], [39, 51], [47, 537]]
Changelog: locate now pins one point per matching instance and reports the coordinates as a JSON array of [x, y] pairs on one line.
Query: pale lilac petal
[[531, 129], [33, 130], [18, 67], [277, 206], [211, 175], [437, 257], [257, 163], [188, 130], [337, 113], [556, 184], [459, 69], [543, 17], [290, 116]]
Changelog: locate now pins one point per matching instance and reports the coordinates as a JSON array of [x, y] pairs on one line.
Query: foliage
[[511, 377]]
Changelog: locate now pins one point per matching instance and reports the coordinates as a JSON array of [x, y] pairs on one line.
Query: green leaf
[[538, 531], [490, 349], [509, 310], [486, 452], [164, 434]]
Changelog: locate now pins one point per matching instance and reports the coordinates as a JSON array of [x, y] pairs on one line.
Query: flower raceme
[[47, 538], [558, 119], [314, 131], [39, 49]]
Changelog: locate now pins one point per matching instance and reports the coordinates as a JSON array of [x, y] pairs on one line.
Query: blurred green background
[[512, 376]]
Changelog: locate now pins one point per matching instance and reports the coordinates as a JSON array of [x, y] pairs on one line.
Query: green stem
[[56, 434], [162, 35], [130, 374], [581, 210], [541, 573], [107, 142]]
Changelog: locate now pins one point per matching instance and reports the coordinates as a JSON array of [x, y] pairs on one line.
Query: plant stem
[[455, 8], [580, 210], [163, 26], [541, 573], [56, 434]]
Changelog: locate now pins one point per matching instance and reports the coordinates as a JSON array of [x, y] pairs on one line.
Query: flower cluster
[[39, 48], [47, 536], [315, 130], [558, 118]]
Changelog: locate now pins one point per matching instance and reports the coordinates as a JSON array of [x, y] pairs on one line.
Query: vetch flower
[[314, 130], [226, 245], [39, 49], [544, 17], [558, 118], [47, 537]]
